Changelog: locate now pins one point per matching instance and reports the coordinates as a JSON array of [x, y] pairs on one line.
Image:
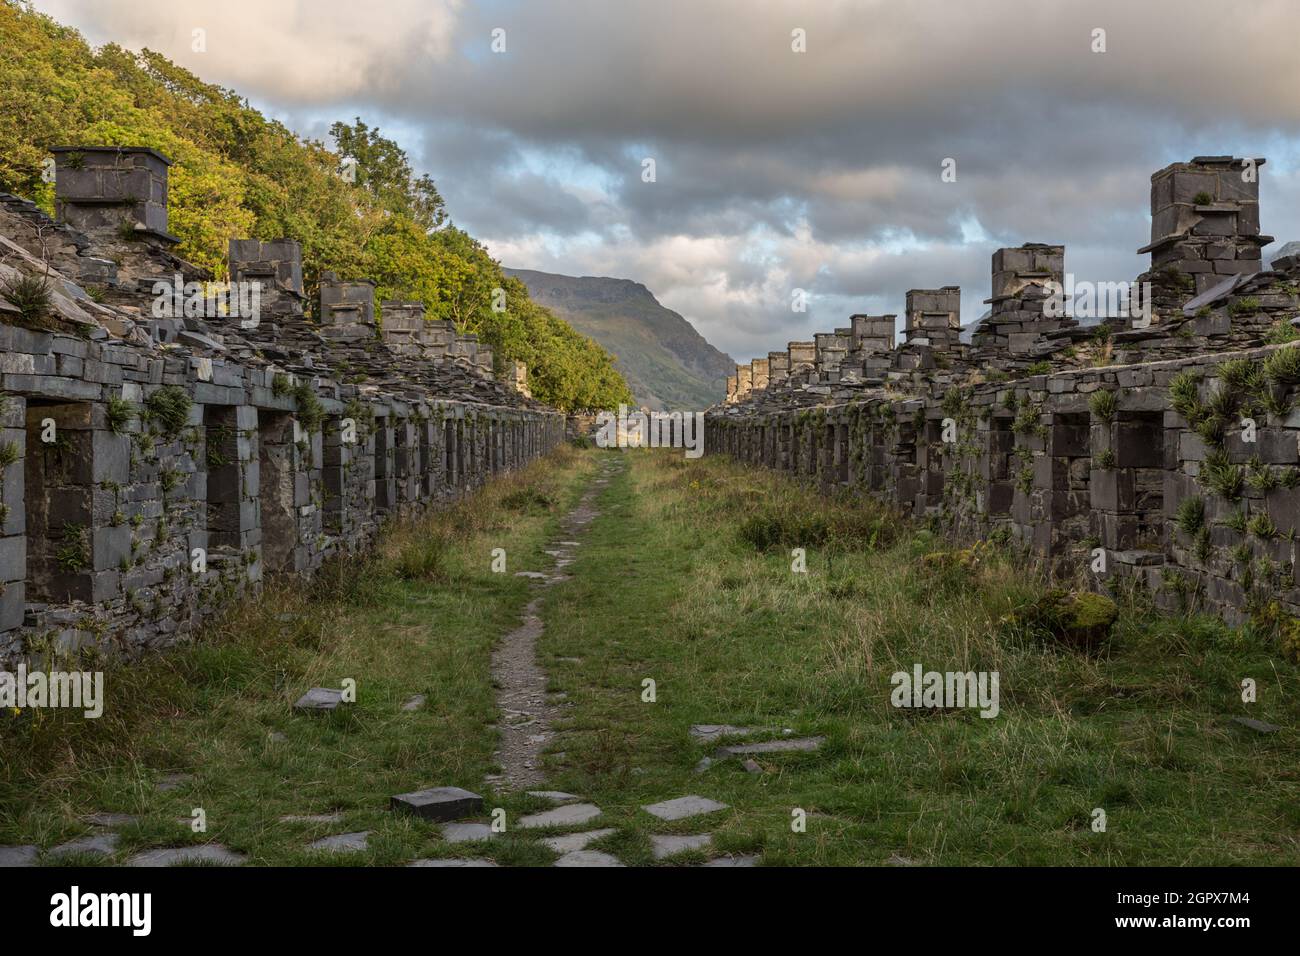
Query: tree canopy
[[239, 174]]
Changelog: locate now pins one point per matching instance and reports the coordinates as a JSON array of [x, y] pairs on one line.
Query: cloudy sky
[[774, 170]]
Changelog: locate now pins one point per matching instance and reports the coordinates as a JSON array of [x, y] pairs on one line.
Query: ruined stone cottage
[[1160, 447], [166, 443]]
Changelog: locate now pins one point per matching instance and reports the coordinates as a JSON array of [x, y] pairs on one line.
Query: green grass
[[420, 616], [667, 588]]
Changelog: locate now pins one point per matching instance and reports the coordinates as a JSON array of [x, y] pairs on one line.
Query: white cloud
[[292, 51], [775, 169]]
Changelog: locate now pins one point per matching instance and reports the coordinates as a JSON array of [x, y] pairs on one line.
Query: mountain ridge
[[667, 363]]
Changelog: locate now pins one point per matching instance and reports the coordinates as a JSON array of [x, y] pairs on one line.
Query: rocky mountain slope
[[667, 363]]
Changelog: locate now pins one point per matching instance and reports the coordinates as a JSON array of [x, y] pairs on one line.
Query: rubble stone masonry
[[1169, 447], [153, 468]]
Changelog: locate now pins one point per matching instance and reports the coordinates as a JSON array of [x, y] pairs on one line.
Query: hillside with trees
[[239, 174]]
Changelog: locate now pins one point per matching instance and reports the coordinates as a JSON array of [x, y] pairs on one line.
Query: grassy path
[[670, 588], [212, 723]]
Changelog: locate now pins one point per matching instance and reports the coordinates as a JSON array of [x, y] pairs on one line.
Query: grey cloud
[[774, 169]]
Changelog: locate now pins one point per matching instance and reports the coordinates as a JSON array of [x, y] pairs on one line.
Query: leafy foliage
[[238, 173], [30, 295], [170, 408]]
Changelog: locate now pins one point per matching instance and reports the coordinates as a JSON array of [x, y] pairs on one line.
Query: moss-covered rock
[[1078, 619]]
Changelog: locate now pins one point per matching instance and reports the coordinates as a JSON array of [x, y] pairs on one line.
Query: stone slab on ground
[[665, 845], [342, 842], [566, 816], [319, 700], [531, 574], [458, 861], [173, 856], [789, 745], [555, 796], [312, 818], [414, 703], [466, 832], [682, 807], [571, 842], [707, 733], [734, 861], [587, 858], [110, 819], [1258, 726], [18, 856], [439, 803], [100, 844]]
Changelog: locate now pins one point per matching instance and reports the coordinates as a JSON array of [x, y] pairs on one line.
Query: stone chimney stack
[[117, 190], [1020, 292], [803, 359], [436, 338], [872, 333], [519, 378], [778, 368], [403, 323], [933, 317], [744, 382], [465, 347], [759, 373], [347, 308], [275, 264], [1205, 220], [830, 351]]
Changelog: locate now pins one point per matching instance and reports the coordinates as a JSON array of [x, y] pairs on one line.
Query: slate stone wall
[[153, 469], [1165, 454]]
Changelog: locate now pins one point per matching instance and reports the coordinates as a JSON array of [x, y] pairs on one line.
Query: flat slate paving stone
[[319, 700], [342, 842], [1256, 725], [789, 745], [707, 733], [441, 804], [555, 796], [312, 818], [666, 845], [18, 856], [452, 862], [110, 819], [571, 842], [466, 832], [683, 807], [565, 816], [587, 858], [414, 703], [529, 574], [102, 844], [172, 856], [734, 861]]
